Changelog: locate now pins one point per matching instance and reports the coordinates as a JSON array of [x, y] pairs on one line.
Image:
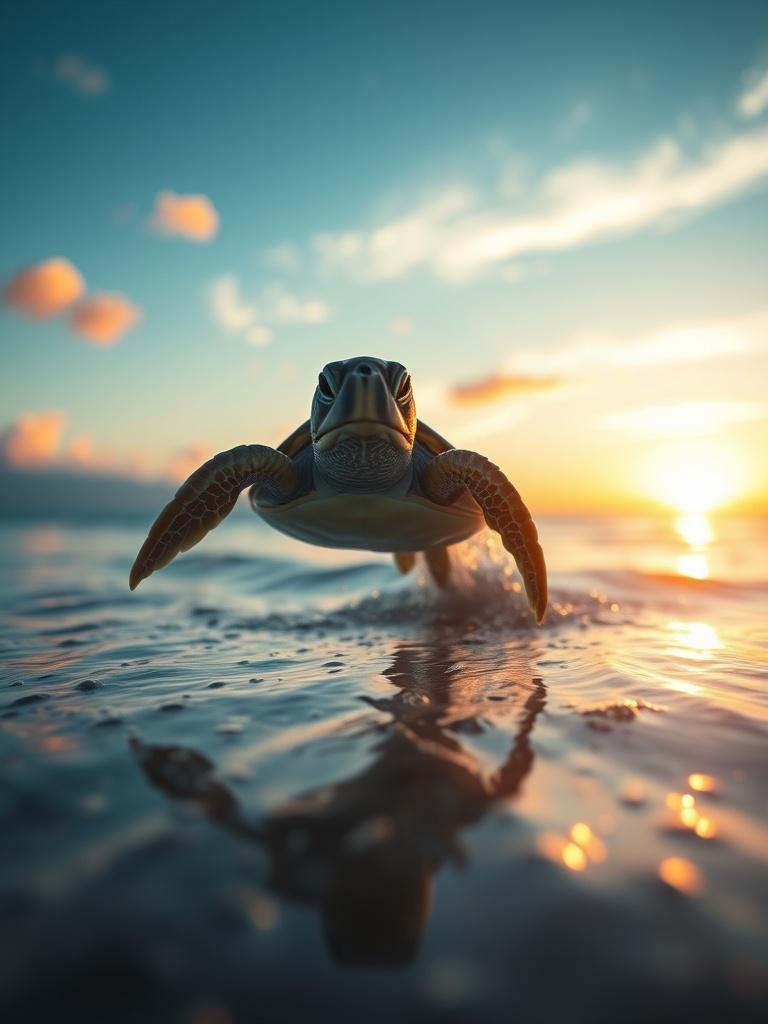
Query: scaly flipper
[[444, 478], [439, 564], [207, 497]]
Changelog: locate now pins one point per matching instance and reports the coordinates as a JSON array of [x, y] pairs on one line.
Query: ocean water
[[281, 783]]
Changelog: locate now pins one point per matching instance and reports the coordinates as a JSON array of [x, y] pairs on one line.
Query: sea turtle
[[362, 472]]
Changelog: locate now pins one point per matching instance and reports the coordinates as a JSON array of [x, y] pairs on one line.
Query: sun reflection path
[[695, 529]]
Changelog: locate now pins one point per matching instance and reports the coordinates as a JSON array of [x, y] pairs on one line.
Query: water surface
[[279, 782]]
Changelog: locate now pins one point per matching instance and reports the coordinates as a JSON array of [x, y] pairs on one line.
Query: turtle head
[[363, 423]]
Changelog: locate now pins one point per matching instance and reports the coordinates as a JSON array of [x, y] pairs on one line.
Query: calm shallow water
[[279, 782]]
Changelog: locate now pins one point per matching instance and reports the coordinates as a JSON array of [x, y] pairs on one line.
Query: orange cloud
[[34, 439], [80, 450], [192, 217], [46, 289], [103, 319], [498, 385], [185, 462], [82, 454]]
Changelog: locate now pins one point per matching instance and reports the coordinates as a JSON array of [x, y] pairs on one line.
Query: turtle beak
[[363, 407]]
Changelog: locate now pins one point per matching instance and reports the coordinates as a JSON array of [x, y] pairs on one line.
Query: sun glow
[[696, 477], [697, 485]]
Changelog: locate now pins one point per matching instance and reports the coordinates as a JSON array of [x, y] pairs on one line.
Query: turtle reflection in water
[[364, 473], [364, 849]]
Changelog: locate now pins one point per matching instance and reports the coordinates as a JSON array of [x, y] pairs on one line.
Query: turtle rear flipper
[[439, 564], [405, 561]]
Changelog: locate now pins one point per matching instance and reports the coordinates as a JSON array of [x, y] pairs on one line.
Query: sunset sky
[[556, 215]]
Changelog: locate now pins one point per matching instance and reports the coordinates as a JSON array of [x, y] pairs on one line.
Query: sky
[[555, 215]]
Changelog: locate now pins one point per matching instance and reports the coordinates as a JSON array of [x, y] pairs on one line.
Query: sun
[[695, 485], [694, 479]]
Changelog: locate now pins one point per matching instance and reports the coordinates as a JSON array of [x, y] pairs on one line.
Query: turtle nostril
[[365, 369]]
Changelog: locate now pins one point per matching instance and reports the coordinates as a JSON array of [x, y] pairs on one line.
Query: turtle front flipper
[[445, 477], [207, 497]]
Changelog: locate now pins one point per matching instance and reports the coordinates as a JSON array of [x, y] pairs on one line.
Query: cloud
[[81, 75], [497, 386], [697, 341], [184, 463], [37, 441], [46, 289], [81, 450], [54, 286], [227, 306], [34, 439], [193, 216], [103, 319], [754, 100], [582, 203], [285, 308], [394, 249], [274, 305], [684, 419]]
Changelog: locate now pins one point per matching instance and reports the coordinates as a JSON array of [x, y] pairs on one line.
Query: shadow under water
[[364, 849]]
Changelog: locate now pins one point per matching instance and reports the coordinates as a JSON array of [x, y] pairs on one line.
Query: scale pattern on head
[[363, 424]]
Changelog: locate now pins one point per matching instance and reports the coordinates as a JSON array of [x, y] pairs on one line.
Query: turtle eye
[[403, 387], [324, 388]]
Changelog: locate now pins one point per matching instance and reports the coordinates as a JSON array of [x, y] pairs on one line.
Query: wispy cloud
[[754, 99], [193, 217], [455, 237], [80, 74], [274, 305], [601, 370], [394, 249], [684, 419], [668, 345], [103, 319], [497, 386], [283, 307], [45, 289], [227, 305]]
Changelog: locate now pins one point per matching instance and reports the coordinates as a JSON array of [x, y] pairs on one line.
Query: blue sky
[[480, 191]]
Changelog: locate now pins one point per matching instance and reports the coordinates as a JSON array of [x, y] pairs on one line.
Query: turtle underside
[[400, 519]]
